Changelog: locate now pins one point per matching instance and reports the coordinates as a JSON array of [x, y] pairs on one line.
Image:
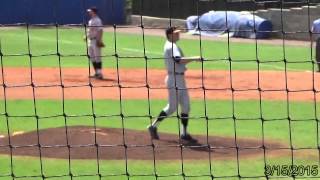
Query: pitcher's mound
[[82, 142]]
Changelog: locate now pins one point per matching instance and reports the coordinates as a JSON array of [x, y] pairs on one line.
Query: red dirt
[[133, 82], [110, 141]]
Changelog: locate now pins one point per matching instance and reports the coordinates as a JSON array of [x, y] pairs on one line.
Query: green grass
[[53, 167], [303, 131], [138, 169], [129, 47], [164, 168]]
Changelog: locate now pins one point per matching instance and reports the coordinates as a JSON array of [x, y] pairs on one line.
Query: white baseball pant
[[177, 95]]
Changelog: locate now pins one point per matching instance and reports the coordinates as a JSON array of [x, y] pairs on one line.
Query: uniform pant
[[94, 51], [177, 95]]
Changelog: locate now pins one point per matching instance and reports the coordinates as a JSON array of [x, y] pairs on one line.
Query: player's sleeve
[[94, 28], [89, 30], [99, 25], [176, 54]]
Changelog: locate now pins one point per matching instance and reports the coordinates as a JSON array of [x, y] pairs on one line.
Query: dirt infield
[[133, 83], [110, 141]]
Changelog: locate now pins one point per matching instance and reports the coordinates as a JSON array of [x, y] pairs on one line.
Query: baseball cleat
[[93, 76], [188, 137], [96, 76], [99, 76], [153, 132]]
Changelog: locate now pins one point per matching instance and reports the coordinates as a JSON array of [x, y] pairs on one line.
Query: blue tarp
[[316, 26], [239, 24], [316, 29]]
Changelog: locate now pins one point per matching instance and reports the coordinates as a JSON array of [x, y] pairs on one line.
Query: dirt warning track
[[239, 85]]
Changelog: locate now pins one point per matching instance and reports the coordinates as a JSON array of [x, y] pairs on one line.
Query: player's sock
[[161, 116], [99, 65], [94, 64], [99, 68], [184, 122]]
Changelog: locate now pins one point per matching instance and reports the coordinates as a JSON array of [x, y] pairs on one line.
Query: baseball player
[[95, 43], [178, 93]]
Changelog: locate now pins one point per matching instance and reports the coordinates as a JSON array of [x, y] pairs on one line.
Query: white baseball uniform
[[175, 80], [177, 90], [95, 25]]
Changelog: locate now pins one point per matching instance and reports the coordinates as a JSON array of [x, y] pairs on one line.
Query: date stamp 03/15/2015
[[291, 170]]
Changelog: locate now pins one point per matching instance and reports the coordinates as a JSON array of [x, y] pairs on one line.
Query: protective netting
[[256, 131]]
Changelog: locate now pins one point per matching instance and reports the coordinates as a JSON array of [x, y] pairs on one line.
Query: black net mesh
[[254, 108]]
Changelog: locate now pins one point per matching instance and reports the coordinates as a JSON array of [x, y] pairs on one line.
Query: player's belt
[[176, 73], [92, 38]]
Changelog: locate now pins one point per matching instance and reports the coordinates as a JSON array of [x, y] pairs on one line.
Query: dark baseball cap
[[171, 30], [92, 9]]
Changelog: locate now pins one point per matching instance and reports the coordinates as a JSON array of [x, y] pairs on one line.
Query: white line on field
[[141, 51], [137, 50], [51, 40], [282, 68], [268, 65], [43, 39]]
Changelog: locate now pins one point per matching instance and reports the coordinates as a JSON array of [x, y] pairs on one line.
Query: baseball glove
[[100, 44]]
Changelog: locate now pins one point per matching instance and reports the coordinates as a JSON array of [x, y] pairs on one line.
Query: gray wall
[[181, 9], [294, 23]]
